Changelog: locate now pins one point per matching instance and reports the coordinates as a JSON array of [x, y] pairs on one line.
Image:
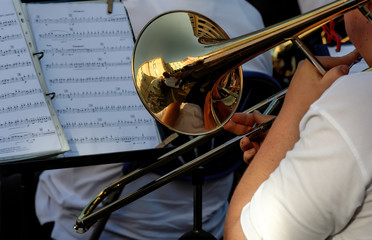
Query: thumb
[[333, 74], [261, 118]]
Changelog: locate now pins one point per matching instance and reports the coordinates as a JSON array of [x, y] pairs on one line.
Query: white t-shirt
[[166, 213], [322, 189], [308, 5]]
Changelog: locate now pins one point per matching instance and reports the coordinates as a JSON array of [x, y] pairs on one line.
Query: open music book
[[78, 98]]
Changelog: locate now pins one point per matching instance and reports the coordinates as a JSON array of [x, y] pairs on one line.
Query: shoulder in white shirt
[[322, 188]]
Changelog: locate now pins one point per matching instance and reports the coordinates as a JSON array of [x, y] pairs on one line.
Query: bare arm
[[306, 86]]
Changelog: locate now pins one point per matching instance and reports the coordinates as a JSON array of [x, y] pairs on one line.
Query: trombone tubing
[[86, 221], [87, 218], [239, 50]]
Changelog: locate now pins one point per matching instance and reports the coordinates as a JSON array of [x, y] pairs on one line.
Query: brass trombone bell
[[170, 76]]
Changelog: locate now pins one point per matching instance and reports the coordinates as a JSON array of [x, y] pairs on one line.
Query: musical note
[[85, 34], [25, 122], [79, 50], [89, 79], [22, 107], [107, 124], [18, 78], [86, 65], [20, 93], [102, 109], [13, 51], [18, 137], [79, 20], [111, 139], [96, 94], [11, 37], [8, 23], [15, 65]]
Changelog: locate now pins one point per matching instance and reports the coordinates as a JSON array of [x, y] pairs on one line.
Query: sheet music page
[[87, 63], [26, 126]]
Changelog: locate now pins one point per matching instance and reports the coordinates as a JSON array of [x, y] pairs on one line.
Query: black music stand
[[198, 233]]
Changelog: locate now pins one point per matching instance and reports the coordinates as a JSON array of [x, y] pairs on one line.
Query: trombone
[[183, 58]]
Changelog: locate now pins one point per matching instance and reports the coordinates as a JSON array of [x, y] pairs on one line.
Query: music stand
[[198, 233]]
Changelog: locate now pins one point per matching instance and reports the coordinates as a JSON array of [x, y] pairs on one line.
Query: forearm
[[281, 138]]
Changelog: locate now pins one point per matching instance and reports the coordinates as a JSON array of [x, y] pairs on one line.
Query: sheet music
[[87, 63], [345, 49], [26, 126]]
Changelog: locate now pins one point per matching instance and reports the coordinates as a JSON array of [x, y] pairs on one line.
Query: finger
[[245, 144], [243, 118], [261, 118], [238, 129], [249, 154], [333, 74], [240, 123], [330, 62]]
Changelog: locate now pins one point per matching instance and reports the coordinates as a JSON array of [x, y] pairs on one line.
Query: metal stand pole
[[198, 233]]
